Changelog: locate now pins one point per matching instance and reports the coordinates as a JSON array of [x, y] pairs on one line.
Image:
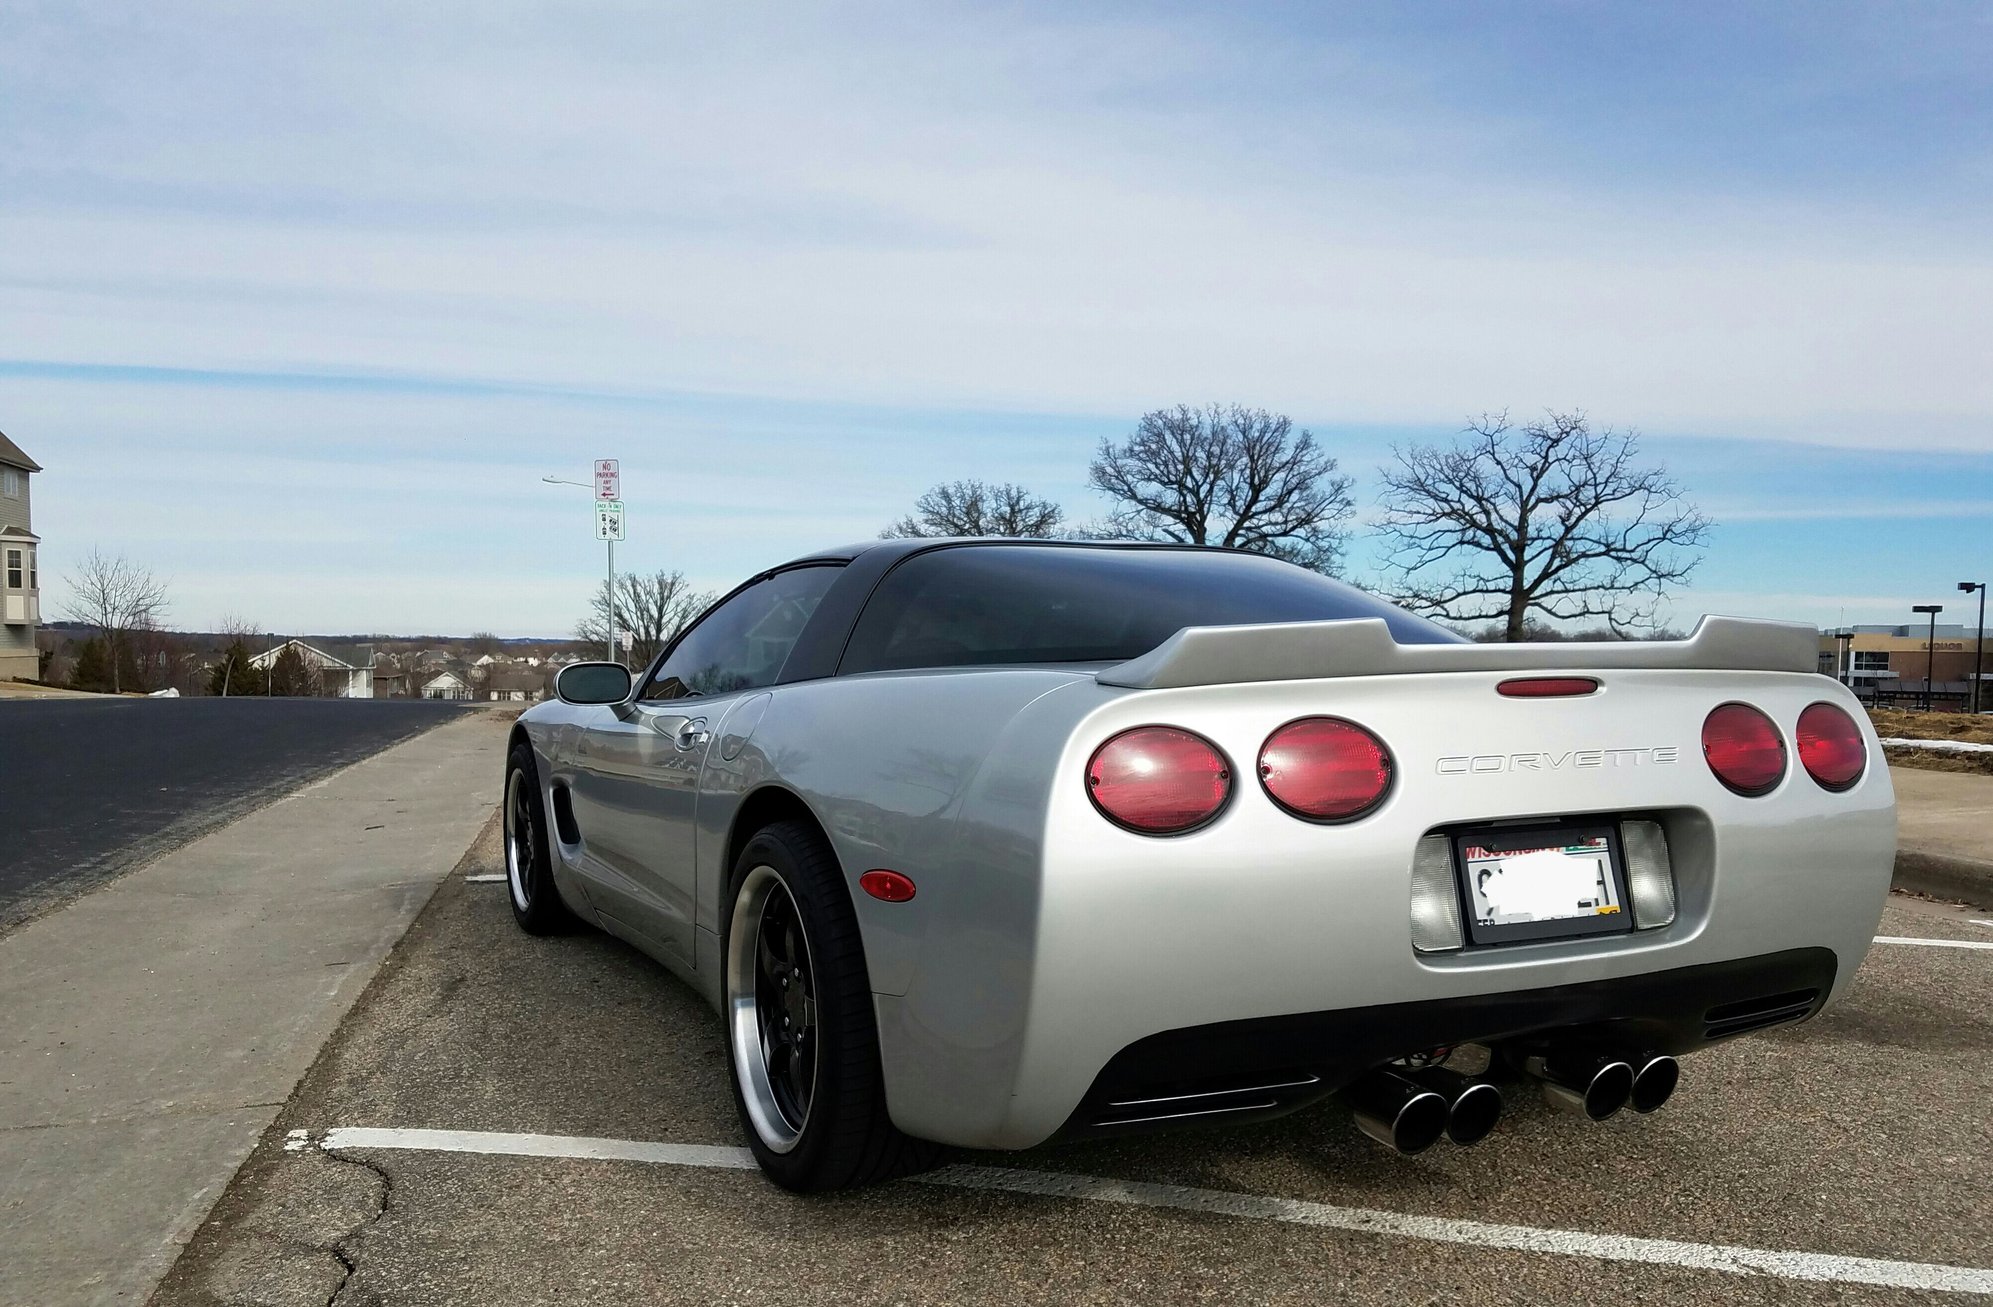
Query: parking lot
[[509, 1119]]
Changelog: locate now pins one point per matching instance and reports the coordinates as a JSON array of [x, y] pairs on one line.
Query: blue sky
[[298, 304]]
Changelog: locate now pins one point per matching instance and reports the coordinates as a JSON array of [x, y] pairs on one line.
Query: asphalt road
[[1862, 1134], [92, 788]]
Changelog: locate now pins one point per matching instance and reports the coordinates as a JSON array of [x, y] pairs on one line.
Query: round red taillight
[[1743, 748], [1158, 780], [1830, 746], [1324, 769]]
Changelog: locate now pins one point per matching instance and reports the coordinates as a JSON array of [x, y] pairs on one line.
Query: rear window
[[975, 605]]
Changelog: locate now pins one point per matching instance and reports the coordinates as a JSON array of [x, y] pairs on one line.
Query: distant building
[[20, 581], [346, 670], [1889, 663], [515, 685], [449, 685]]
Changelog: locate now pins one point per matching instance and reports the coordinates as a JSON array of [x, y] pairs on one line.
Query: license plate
[[1547, 882]]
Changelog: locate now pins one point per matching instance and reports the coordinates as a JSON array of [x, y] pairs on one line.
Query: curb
[[1964, 880]]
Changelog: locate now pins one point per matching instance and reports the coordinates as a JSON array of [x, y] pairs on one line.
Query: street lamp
[[1845, 673], [1930, 646], [1979, 657], [557, 481]]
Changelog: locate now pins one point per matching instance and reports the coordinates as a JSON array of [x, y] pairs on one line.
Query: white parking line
[[1934, 943], [1821, 1267], [489, 879]]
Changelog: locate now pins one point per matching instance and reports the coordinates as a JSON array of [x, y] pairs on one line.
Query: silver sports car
[[982, 843]]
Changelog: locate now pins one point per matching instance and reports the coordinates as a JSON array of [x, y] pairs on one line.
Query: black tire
[[529, 865], [844, 1138]]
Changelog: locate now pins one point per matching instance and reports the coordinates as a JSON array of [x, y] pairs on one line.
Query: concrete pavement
[[1944, 834], [149, 1032]]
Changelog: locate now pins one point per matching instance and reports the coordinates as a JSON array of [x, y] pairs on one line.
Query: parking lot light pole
[[1979, 653], [558, 481], [1930, 646], [1845, 673]]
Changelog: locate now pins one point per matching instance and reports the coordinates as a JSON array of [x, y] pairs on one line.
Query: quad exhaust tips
[[1598, 1085], [1411, 1112]]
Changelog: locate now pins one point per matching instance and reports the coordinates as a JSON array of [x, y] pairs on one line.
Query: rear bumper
[[1244, 1070]]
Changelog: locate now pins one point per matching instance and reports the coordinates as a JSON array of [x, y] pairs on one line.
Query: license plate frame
[[1487, 844]]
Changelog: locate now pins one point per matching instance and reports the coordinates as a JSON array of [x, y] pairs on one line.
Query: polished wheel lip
[[518, 838], [743, 1009]]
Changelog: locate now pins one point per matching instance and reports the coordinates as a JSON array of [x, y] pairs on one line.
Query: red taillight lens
[[1743, 748], [1546, 687], [1324, 768], [1830, 746], [1158, 780]]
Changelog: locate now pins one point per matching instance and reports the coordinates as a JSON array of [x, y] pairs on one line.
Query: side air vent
[[1260, 1095], [564, 825], [1726, 1019]]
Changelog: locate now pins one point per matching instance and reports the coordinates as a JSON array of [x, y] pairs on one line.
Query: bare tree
[[1239, 477], [118, 597], [651, 608], [979, 508], [1551, 518]]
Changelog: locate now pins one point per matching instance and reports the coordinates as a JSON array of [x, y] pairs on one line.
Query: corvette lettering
[[1569, 760]]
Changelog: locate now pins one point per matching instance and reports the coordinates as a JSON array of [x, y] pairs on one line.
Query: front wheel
[[801, 1040], [529, 864]]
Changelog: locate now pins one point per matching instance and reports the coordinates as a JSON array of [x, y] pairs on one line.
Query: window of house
[[10, 483], [34, 576], [13, 569]]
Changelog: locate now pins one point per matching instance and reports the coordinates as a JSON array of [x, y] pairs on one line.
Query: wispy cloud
[[378, 245]]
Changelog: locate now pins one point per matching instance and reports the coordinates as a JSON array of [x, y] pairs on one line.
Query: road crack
[[345, 1247]]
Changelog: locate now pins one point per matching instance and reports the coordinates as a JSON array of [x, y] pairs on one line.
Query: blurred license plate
[[1542, 883]]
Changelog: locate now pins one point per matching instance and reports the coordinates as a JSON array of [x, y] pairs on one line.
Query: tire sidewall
[[544, 913]]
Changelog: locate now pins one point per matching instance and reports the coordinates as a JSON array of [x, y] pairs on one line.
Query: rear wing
[[1297, 651]]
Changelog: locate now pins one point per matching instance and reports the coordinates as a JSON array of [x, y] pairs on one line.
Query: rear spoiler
[[1297, 651]]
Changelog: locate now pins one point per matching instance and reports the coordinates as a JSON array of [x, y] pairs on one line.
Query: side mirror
[[592, 683]]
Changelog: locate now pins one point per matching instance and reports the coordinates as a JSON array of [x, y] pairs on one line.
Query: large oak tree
[[1550, 518], [1238, 477]]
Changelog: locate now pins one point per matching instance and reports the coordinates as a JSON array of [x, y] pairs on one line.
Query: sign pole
[[609, 527]]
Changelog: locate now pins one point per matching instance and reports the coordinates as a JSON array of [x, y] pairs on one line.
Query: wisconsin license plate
[[1542, 883]]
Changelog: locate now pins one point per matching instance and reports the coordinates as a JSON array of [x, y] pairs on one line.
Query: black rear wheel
[[801, 1040], [529, 865]]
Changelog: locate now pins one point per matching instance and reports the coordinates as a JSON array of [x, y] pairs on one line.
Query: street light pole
[[1930, 646], [557, 481], [1979, 654]]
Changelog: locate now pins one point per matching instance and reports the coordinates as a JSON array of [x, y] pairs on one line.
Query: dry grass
[[1936, 726]]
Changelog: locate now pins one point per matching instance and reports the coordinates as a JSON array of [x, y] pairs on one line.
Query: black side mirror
[[592, 683]]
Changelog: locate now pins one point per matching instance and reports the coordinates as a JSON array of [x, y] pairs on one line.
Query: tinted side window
[[989, 604], [742, 644]]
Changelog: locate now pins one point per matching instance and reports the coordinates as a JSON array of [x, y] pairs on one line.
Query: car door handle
[[693, 734]]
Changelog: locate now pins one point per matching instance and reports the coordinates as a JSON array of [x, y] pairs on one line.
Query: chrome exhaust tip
[[1595, 1084], [1655, 1076], [1473, 1106], [1399, 1112]]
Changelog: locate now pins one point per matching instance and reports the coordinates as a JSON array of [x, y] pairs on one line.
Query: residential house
[[20, 581], [448, 685], [515, 685], [347, 670]]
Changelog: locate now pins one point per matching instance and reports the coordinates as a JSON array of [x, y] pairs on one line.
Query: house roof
[[515, 678], [11, 453], [338, 657], [19, 533]]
